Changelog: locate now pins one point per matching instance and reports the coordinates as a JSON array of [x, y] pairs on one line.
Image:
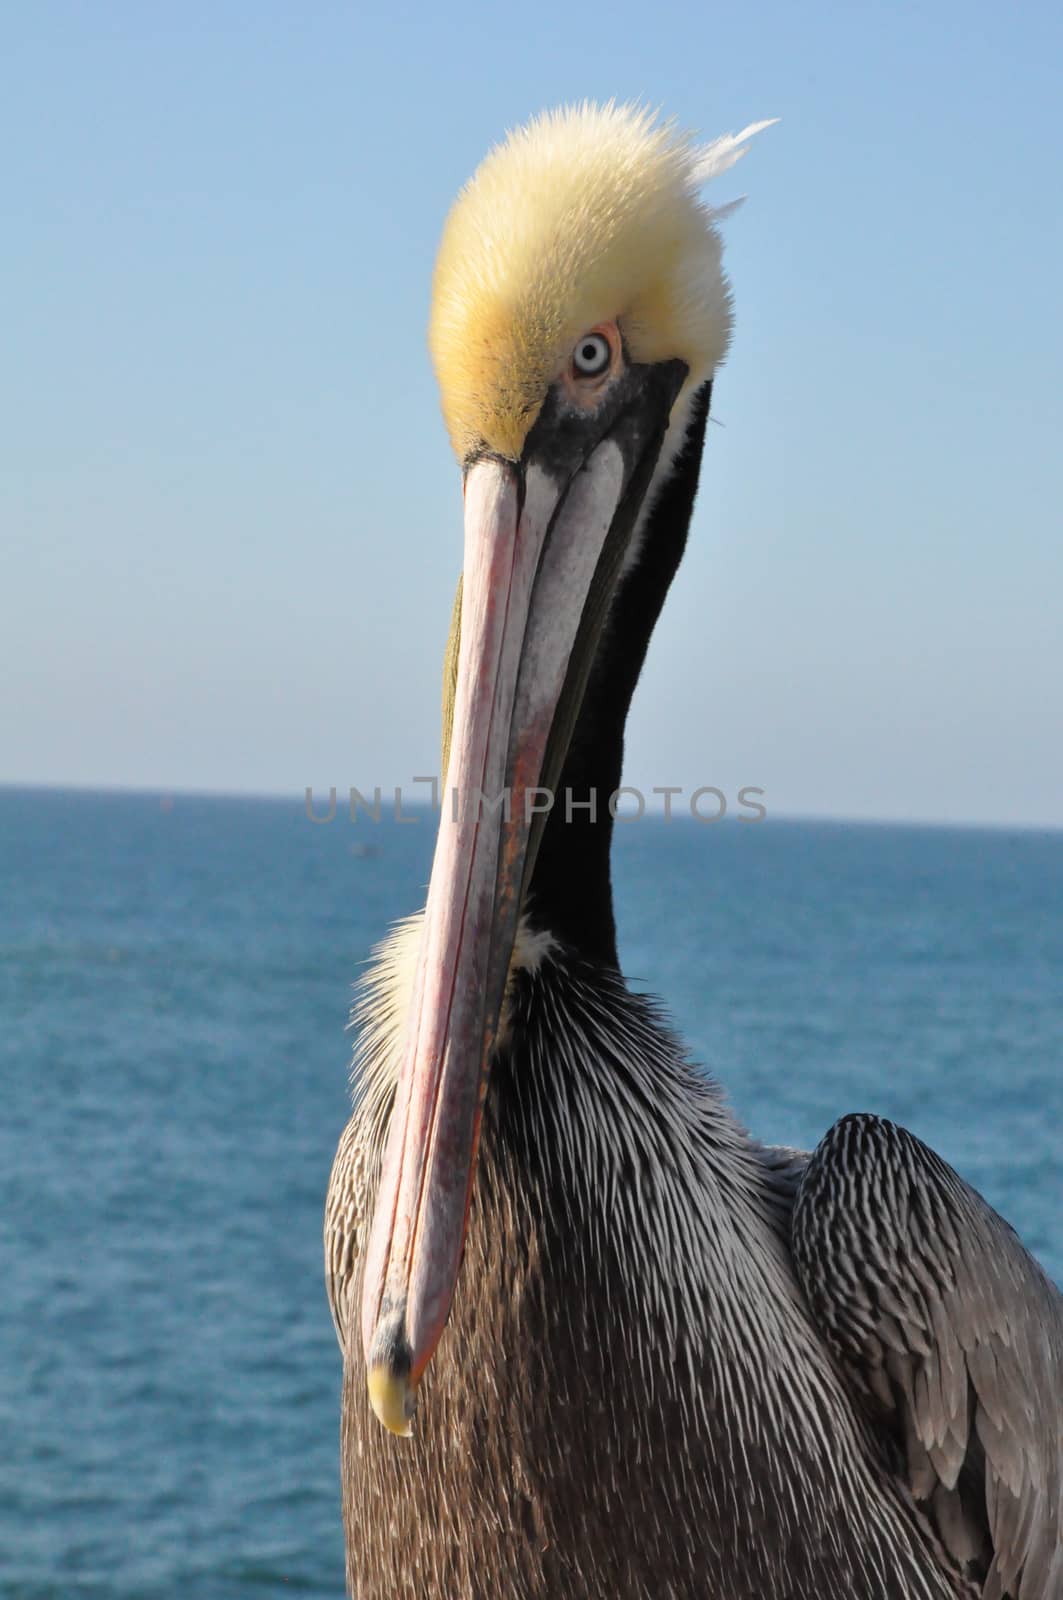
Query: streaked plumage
[[677, 1364]]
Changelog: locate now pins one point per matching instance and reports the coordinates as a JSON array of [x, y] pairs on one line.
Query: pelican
[[676, 1363]]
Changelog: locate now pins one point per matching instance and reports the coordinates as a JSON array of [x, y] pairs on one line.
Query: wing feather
[[953, 1334]]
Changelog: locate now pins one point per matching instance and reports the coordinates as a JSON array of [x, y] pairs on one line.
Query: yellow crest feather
[[586, 215]]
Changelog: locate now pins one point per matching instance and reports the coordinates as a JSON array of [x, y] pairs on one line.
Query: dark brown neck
[[571, 891]]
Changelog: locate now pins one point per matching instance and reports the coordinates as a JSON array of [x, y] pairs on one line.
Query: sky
[[230, 524]]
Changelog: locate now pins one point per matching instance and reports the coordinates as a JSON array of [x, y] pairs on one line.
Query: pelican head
[[579, 305]]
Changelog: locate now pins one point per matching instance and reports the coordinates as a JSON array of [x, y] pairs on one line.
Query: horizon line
[[652, 813]]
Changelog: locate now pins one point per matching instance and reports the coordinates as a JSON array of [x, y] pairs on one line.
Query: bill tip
[[392, 1397]]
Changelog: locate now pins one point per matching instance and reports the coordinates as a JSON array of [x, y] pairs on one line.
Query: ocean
[[175, 975]]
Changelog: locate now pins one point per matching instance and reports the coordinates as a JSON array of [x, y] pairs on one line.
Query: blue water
[[173, 992]]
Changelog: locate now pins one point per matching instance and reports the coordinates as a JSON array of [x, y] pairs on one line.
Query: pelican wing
[[953, 1337]]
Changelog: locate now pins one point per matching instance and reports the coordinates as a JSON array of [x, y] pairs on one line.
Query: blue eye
[[592, 355]]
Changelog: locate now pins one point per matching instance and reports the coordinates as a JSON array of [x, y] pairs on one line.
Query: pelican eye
[[592, 355]]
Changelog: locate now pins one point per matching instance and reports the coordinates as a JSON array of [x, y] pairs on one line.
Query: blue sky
[[230, 524]]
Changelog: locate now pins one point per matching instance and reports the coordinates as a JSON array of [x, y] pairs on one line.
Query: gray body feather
[[682, 1365], [953, 1336]]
